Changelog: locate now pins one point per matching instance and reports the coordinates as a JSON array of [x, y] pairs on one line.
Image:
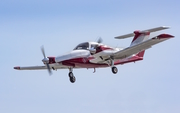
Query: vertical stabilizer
[[140, 36]]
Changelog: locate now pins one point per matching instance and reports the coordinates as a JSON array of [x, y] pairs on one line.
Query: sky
[[148, 86]]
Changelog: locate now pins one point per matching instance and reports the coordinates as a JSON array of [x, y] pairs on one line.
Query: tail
[[140, 36]]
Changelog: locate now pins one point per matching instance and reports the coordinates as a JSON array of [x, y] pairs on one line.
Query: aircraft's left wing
[[141, 46]]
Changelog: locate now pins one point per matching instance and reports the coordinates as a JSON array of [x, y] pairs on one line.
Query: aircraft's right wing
[[30, 67], [39, 67], [141, 46]]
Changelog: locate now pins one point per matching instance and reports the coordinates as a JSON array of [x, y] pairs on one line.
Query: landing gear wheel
[[71, 74], [72, 77], [114, 70]]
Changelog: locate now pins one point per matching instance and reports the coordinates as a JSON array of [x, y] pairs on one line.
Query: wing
[[54, 66], [150, 30], [141, 46]]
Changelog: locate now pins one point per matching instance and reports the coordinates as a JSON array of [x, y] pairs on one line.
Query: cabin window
[[94, 46], [82, 46]]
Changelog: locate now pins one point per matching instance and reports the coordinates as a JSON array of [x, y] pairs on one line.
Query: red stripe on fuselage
[[51, 60], [83, 63], [79, 62], [132, 59]]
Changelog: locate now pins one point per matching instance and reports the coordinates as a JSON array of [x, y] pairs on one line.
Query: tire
[[114, 70], [71, 74], [72, 79]]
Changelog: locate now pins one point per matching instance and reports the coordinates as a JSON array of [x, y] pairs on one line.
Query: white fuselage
[[105, 54], [73, 54], [84, 50]]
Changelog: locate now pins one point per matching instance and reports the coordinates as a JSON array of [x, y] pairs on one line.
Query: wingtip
[[166, 27], [165, 36], [17, 68]]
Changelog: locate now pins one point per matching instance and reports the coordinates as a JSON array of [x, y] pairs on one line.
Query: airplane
[[98, 55]]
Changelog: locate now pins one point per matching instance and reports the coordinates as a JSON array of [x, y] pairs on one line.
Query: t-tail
[[139, 37], [140, 43]]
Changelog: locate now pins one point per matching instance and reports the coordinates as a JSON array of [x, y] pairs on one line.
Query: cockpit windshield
[[82, 46]]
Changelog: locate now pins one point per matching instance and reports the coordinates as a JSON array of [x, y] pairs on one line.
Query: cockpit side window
[[82, 46], [94, 46]]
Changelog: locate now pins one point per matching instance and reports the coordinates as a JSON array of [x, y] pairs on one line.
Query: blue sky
[[147, 86]]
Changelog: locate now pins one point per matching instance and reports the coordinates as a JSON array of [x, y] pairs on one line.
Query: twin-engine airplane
[[97, 55]]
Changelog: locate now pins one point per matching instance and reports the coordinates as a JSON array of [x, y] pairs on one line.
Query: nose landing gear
[[71, 76]]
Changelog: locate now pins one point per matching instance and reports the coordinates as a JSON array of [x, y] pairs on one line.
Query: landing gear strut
[[71, 76]]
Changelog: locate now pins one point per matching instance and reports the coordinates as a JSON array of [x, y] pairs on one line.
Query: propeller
[[100, 40], [46, 60]]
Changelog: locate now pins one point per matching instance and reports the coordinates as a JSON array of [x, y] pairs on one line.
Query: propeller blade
[[46, 60], [49, 70], [100, 40], [42, 49]]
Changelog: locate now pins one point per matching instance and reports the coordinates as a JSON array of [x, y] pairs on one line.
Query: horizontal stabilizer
[[150, 30]]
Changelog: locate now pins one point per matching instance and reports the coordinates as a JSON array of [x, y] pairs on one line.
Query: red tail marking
[[138, 33]]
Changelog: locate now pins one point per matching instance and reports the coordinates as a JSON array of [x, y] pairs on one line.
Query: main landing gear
[[113, 68], [71, 76]]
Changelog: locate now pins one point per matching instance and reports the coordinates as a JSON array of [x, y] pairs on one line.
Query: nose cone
[[45, 60]]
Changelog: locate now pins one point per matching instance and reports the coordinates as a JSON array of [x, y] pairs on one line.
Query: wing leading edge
[[141, 46]]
